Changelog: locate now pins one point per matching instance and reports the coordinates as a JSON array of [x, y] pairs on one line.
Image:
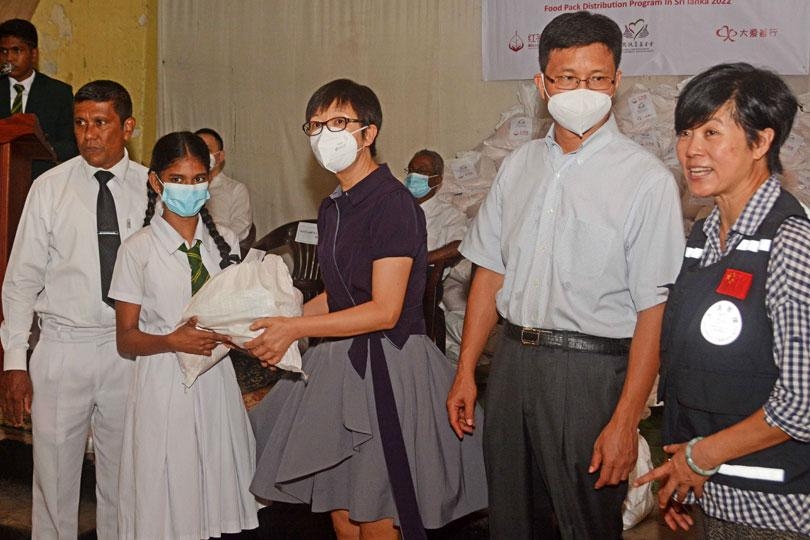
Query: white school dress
[[188, 454]]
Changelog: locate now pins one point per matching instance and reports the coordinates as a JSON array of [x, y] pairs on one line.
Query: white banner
[[661, 37]]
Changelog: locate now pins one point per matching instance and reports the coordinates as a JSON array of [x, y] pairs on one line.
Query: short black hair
[[580, 29], [212, 133], [347, 92], [102, 91], [759, 99], [436, 161], [20, 29]]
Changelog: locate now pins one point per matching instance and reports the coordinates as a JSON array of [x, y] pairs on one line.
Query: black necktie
[[108, 237]]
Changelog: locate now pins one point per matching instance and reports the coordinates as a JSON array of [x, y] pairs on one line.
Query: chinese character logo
[[636, 30], [726, 33], [516, 43]]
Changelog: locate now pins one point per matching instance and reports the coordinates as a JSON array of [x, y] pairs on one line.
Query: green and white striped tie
[[199, 275], [16, 107]]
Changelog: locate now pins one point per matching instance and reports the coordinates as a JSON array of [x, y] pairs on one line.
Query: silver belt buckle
[[530, 336]]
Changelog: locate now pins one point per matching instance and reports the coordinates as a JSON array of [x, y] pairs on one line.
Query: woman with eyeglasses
[[365, 437]]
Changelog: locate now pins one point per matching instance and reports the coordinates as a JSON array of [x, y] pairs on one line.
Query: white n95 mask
[[579, 110], [335, 151]]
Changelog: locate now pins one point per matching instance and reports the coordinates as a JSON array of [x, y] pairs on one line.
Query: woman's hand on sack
[[190, 339], [269, 347]]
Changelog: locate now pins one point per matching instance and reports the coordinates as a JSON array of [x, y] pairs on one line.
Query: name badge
[[721, 324]]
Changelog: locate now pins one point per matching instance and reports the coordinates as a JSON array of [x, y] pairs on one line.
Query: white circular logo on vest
[[722, 323]]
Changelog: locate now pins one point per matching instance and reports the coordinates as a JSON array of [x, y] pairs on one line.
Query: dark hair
[[759, 99], [168, 149], [346, 92], [212, 133], [22, 30], [580, 29], [102, 91], [436, 161]]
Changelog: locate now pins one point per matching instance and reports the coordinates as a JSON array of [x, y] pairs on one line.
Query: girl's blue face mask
[[417, 184], [183, 199]]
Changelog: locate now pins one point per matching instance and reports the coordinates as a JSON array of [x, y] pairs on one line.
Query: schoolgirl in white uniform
[[189, 453]]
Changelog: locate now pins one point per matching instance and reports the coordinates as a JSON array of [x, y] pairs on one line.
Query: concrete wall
[[83, 40]]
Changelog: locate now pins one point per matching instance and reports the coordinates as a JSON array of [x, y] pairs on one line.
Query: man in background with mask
[[75, 217], [575, 244], [446, 225], [230, 200]]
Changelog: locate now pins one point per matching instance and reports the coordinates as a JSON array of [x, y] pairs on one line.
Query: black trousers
[[545, 408]]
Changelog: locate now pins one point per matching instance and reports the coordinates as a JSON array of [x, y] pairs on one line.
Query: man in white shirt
[[230, 200], [74, 218], [446, 226], [575, 244]]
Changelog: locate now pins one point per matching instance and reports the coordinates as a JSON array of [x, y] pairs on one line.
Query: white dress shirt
[[54, 266], [585, 240], [230, 205], [445, 223], [26, 84]]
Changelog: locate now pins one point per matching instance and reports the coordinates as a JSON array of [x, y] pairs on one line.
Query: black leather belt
[[567, 340]]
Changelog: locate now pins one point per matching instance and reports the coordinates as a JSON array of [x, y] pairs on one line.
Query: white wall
[[247, 68]]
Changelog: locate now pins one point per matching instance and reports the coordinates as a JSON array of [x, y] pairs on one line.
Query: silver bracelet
[[691, 462]]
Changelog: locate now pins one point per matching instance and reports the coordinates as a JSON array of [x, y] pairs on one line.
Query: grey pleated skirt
[[318, 441]]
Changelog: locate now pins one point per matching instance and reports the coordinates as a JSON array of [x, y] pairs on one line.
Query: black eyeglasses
[[338, 123], [567, 82]]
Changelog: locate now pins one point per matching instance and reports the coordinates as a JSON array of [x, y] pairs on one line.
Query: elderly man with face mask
[[575, 244], [446, 226]]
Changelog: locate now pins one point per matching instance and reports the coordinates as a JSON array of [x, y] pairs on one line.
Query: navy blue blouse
[[375, 219]]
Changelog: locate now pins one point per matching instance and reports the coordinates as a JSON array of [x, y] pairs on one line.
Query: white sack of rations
[[230, 301]]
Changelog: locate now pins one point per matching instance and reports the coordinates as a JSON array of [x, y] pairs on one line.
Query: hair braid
[[150, 206], [222, 244]]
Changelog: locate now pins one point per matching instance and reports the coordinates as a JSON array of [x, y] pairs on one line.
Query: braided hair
[[168, 149]]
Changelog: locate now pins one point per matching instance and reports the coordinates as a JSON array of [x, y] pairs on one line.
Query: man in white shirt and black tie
[[75, 217]]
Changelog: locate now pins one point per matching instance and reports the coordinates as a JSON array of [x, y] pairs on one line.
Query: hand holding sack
[[230, 301]]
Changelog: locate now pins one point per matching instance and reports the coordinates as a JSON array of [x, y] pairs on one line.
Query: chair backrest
[[249, 240], [434, 315], [305, 272]]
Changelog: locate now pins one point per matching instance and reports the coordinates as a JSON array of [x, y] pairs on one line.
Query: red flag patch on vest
[[735, 283]]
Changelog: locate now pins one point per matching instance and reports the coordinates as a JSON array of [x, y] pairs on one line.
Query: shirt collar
[[591, 145], [119, 169], [364, 188], [755, 211], [169, 239], [26, 83]]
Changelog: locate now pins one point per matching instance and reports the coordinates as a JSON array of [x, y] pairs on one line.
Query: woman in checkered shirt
[[735, 375]]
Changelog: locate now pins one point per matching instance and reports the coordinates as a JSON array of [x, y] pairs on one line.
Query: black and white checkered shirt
[[787, 300]]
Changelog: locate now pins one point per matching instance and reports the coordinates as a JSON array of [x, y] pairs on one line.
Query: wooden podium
[[21, 141]]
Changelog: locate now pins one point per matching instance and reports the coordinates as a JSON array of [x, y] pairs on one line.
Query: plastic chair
[[249, 240], [305, 272], [434, 314]]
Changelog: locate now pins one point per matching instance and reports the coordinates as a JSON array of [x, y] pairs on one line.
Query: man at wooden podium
[[25, 90], [75, 217]]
